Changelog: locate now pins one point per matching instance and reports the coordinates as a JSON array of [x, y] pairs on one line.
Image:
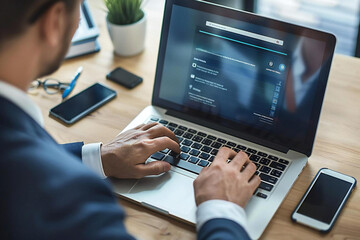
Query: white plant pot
[[128, 40]]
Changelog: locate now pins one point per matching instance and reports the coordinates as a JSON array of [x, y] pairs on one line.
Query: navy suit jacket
[[46, 192]]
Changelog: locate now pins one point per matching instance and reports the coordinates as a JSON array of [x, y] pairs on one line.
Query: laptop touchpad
[[171, 192]]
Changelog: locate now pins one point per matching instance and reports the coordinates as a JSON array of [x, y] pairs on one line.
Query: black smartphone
[[326, 196], [124, 78], [83, 103]]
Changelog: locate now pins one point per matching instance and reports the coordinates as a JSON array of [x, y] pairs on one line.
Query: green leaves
[[123, 12]]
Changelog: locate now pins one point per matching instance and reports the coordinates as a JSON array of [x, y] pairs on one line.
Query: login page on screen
[[239, 71]]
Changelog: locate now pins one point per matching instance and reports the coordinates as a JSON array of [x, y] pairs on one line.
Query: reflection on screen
[[242, 72]]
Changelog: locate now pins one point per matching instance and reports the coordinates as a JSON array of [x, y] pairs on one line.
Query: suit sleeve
[[220, 228], [74, 148], [53, 196], [90, 155], [220, 219]]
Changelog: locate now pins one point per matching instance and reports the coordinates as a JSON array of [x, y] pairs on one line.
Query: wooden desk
[[337, 144]]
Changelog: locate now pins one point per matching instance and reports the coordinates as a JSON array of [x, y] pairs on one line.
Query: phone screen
[[324, 198], [83, 103]]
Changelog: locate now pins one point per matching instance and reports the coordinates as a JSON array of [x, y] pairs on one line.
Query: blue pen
[[71, 86]]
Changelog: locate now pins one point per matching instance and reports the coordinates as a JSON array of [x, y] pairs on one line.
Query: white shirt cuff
[[91, 157], [220, 209]]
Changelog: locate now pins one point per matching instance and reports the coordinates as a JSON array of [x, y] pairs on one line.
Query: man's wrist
[[106, 158]]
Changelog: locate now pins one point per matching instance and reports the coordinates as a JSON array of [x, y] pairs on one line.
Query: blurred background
[[340, 17]]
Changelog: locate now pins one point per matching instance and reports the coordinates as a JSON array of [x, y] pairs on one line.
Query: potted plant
[[126, 23]]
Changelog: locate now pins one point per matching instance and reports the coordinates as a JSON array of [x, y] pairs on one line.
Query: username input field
[[245, 33]]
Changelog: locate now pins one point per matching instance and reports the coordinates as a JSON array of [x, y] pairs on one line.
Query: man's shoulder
[[15, 122], [26, 157], [20, 149], [48, 192], [28, 151], [39, 179]]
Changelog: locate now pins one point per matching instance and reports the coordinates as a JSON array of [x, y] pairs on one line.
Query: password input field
[[241, 42], [245, 33]]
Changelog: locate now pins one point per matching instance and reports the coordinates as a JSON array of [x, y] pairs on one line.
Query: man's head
[[45, 25]]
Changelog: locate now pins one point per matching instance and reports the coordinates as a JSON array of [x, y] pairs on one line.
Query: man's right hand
[[126, 155], [234, 181]]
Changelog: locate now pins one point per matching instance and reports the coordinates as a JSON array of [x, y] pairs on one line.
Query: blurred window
[[340, 17]]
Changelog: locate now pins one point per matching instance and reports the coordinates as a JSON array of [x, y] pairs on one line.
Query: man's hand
[[234, 181], [125, 156]]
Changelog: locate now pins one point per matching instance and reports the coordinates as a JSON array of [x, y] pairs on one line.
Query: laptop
[[229, 78]]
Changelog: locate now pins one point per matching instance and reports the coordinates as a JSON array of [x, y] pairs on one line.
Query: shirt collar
[[22, 100]]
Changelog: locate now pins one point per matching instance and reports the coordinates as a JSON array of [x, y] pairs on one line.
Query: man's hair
[[17, 15]]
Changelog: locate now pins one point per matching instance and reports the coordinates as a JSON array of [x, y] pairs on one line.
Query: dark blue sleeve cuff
[[222, 229], [74, 148]]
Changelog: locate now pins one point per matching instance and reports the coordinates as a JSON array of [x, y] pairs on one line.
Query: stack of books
[[85, 39]]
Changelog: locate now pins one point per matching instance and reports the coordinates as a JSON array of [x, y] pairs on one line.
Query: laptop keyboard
[[198, 150]]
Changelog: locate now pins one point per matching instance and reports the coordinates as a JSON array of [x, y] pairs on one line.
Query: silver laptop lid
[[246, 75]]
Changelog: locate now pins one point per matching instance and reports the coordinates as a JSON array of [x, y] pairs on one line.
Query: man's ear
[[53, 25]]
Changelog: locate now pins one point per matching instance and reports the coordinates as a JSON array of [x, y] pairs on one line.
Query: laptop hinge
[[232, 132], [156, 209]]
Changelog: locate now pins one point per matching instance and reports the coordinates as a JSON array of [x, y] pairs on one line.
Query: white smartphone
[[326, 196]]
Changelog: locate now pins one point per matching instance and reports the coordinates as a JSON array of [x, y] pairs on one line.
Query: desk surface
[[337, 143]]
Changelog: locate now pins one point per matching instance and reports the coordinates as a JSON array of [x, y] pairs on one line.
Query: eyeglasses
[[53, 86]]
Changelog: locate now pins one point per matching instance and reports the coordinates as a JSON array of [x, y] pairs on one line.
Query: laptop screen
[[260, 77]]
